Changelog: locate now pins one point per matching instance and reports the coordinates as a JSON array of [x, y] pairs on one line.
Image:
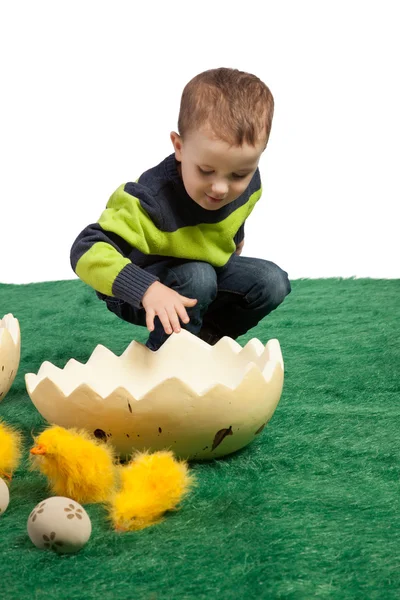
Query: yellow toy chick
[[151, 484], [10, 450], [77, 466], [83, 468]]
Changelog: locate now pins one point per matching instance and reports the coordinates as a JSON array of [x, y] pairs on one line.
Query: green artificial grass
[[309, 510]]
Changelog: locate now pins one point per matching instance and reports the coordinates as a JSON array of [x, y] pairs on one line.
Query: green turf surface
[[309, 510]]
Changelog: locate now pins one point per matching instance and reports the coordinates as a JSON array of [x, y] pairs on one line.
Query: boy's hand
[[239, 248], [159, 300]]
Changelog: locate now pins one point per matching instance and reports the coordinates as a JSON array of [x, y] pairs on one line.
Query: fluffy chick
[[10, 450], [151, 484], [76, 465]]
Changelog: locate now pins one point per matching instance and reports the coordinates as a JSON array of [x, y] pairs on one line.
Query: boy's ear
[[177, 144]]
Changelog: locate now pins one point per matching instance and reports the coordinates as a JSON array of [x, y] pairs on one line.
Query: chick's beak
[[40, 449]]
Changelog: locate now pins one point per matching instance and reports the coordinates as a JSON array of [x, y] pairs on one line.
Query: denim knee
[[196, 280], [278, 286], [271, 287]]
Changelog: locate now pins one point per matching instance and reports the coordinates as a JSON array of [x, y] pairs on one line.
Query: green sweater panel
[[208, 242]]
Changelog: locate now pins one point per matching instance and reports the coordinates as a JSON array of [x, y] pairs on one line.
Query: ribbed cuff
[[132, 283]]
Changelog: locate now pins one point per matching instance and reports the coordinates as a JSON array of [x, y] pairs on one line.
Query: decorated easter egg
[[4, 496], [59, 524]]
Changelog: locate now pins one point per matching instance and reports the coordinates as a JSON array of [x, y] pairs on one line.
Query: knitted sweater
[[150, 220]]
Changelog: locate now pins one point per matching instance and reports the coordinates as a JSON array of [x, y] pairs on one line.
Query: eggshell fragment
[[10, 352], [59, 524], [4, 496]]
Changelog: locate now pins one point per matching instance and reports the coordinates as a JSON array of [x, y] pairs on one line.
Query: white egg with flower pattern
[[59, 524], [4, 496]]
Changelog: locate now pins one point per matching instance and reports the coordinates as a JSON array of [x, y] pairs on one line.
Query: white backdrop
[[90, 92]]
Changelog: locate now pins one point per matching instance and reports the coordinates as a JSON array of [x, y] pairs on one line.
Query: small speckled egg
[[4, 496], [59, 524]]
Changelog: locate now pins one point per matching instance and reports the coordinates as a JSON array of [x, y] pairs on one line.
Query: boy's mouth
[[214, 199]]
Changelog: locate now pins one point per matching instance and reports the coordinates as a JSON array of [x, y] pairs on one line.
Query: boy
[[166, 250]]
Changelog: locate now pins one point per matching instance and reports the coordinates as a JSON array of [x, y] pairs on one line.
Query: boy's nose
[[219, 190]]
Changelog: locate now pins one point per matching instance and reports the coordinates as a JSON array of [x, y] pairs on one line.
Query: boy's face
[[213, 172]]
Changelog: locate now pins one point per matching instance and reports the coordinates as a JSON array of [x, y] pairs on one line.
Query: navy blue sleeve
[[239, 237]]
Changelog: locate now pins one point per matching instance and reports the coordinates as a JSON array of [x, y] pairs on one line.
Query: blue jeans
[[230, 299]]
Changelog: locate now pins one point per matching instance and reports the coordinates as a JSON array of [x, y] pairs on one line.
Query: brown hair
[[236, 105]]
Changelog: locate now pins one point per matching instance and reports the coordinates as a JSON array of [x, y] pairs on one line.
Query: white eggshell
[[10, 352], [59, 524], [199, 401], [4, 496]]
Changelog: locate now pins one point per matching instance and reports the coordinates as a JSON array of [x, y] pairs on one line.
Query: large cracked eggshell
[[10, 352], [199, 401]]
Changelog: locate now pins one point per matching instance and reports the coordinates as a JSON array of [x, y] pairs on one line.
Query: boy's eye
[[234, 175]]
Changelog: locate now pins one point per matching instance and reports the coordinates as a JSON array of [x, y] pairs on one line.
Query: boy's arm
[[239, 247], [100, 255], [239, 239], [99, 258]]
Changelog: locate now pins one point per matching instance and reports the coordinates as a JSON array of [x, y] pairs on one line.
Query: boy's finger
[[150, 314], [188, 301], [184, 317], [165, 322], [173, 319]]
